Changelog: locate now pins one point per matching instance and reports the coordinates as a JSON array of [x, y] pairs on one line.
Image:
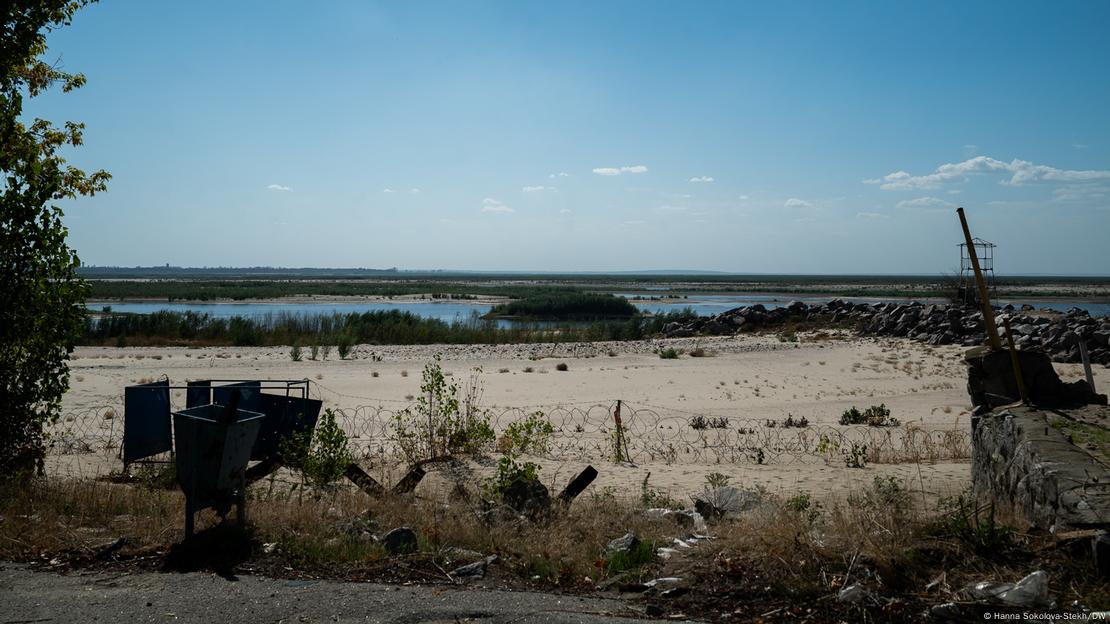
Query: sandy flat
[[745, 380]]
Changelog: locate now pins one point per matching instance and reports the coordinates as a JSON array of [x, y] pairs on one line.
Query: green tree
[[43, 311]]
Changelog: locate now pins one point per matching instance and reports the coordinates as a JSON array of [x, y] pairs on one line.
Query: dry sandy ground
[[747, 378]]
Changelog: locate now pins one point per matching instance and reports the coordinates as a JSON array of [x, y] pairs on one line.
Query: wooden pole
[[619, 432], [1086, 363], [1016, 362], [984, 296]]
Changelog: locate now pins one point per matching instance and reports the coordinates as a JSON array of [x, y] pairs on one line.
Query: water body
[[449, 311]]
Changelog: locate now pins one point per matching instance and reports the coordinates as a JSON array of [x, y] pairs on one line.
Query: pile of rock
[[1057, 334]]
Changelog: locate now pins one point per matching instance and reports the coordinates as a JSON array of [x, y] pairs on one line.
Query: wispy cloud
[[614, 171], [537, 189], [925, 203], [561, 174], [494, 206], [1082, 192], [565, 211], [701, 179], [794, 202], [744, 198], [1019, 172], [279, 187], [667, 208], [634, 222], [871, 215], [415, 191], [388, 190]]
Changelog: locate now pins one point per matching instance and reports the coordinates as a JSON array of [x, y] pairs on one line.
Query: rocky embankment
[[1057, 334]]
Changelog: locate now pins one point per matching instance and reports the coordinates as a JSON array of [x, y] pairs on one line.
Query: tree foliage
[[43, 311]]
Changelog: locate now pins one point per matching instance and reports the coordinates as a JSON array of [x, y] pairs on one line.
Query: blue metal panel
[[146, 420], [249, 393], [198, 394], [284, 416]]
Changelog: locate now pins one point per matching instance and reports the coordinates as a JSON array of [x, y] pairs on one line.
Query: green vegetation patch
[[1088, 436], [566, 306]]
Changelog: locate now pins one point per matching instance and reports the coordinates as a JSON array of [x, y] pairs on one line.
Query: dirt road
[[28, 597]]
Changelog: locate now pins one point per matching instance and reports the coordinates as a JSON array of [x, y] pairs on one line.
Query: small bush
[[561, 366], [874, 416], [856, 456], [508, 471], [652, 498], [321, 456], [295, 352], [700, 423], [443, 423], [698, 352], [975, 525], [344, 346], [530, 435], [314, 352], [668, 354], [637, 558]]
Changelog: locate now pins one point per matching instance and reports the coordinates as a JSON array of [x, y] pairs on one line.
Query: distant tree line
[[378, 327]]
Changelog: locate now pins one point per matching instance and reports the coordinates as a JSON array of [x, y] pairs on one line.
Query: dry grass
[[786, 552], [313, 530]]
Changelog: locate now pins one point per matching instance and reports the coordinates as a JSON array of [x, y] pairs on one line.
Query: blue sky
[[800, 137]]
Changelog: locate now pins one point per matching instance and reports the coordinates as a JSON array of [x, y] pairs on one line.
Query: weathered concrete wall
[[1020, 460]]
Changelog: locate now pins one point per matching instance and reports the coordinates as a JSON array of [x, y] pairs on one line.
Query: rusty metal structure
[[984, 253]]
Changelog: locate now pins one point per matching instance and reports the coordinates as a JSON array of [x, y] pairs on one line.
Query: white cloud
[[744, 198], [537, 189], [701, 179], [492, 205], [1082, 192], [565, 211], [925, 203], [561, 174], [414, 191], [388, 190], [614, 171], [794, 202], [1020, 172], [871, 215], [635, 222], [279, 187]]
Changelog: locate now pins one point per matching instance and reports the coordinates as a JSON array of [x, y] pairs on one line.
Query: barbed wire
[[586, 432]]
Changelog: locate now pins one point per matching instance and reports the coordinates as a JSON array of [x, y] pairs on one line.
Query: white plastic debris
[[1031, 591], [852, 594]]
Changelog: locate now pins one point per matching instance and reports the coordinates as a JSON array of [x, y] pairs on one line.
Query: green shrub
[[295, 352], [320, 456], [439, 424], [651, 497], [975, 525], [641, 555], [874, 416], [343, 345], [508, 471], [668, 354], [530, 435], [561, 366], [856, 456]]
